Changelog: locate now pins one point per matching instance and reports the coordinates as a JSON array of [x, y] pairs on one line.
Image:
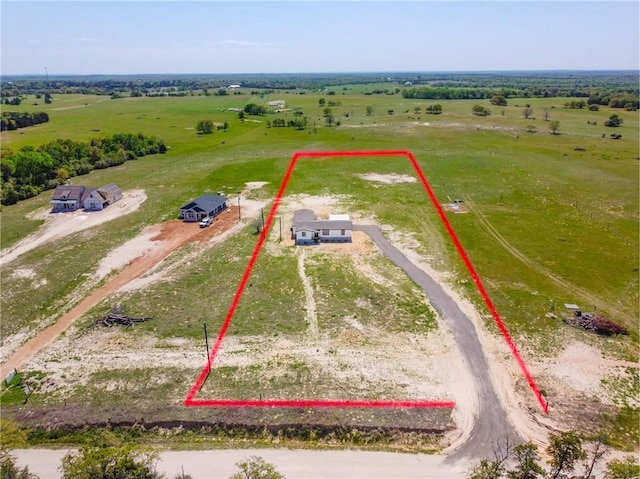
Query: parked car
[[206, 222]]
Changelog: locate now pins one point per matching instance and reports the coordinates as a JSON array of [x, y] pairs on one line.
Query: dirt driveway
[[166, 238], [59, 225]]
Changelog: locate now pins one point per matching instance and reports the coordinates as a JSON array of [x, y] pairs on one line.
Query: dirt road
[[491, 420], [294, 464]]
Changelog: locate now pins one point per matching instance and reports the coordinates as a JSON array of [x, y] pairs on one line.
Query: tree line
[[297, 123], [570, 455], [12, 120], [447, 93], [29, 171], [613, 99], [520, 84]]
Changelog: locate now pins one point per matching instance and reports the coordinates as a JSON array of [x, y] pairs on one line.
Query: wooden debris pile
[[597, 324], [113, 319]]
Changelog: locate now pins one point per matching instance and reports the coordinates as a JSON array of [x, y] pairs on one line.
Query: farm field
[[547, 220]]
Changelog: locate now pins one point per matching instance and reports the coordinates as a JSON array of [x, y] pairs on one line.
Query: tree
[[109, 463], [614, 121], [494, 469], [434, 109], [487, 470], [33, 167], [62, 175], [369, 110], [254, 109], [566, 451], [329, 119], [545, 115], [301, 123], [597, 450], [480, 110], [9, 470], [498, 100], [256, 468], [204, 127], [12, 437], [527, 111], [321, 102], [569, 459], [623, 469], [527, 466], [241, 115], [554, 126]]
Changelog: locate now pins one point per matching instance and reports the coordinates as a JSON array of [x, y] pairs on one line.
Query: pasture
[[551, 219]]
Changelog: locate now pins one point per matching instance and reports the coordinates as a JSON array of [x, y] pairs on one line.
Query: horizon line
[[364, 72]]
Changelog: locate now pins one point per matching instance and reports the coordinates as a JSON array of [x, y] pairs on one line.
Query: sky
[[122, 37]]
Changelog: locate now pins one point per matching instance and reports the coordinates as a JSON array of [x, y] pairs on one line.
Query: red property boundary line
[[190, 398]]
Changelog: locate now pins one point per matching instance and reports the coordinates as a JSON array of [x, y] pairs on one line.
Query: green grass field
[[553, 218]]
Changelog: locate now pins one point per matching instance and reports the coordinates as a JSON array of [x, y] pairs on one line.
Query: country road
[[491, 421], [293, 464]]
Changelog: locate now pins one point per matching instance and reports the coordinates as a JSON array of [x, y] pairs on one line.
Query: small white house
[[307, 229], [100, 198]]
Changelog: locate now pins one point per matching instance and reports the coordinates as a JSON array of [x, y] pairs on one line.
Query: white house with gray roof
[[306, 228]]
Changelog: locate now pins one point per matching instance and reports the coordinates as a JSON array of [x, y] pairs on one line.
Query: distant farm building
[[233, 87], [76, 197], [277, 104], [205, 206], [307, 229]]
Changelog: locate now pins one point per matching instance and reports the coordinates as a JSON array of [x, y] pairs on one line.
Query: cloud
[[84, 40], [245, 43]]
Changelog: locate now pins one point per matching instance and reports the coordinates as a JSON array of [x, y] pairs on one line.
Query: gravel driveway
[[491, 422]]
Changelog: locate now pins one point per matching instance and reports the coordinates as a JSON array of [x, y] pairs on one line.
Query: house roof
[[303, 215], [324, 225], [111, 187], [205, 203], [68, 192]]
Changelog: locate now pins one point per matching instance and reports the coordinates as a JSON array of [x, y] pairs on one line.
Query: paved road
[[294, 464], [492, 422]]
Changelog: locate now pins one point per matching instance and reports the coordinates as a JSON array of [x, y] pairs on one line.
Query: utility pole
[[262, 213], [280, 222], [206, 342]]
